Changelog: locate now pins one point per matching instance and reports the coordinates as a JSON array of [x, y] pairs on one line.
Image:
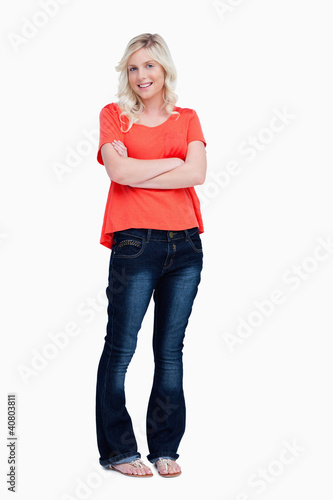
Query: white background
[[236, 63]]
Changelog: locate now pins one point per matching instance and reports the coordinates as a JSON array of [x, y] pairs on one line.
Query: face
[[146, 76]]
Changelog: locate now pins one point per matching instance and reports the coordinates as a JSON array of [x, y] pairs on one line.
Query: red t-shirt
[[169, 209]]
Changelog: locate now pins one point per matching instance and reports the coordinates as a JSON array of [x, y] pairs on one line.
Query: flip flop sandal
[[135, 463], [165, 462]]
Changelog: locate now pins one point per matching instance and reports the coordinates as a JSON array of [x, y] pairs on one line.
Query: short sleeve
[[194, 130], [109, 128]]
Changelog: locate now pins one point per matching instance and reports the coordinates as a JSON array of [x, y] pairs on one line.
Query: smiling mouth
[[145, 85]]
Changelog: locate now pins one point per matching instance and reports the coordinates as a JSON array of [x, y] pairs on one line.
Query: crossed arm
[[167, 173]]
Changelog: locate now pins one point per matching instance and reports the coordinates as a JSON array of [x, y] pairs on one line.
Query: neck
[[155, 105]]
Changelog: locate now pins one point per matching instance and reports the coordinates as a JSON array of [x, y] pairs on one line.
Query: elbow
[[201, 177], [114, 173], [116, 177]]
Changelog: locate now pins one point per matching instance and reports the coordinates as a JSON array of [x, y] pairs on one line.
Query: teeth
[[145, 85]]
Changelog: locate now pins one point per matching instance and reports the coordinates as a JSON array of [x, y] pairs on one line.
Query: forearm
[[124, 170], [181, 177], [132, 170]]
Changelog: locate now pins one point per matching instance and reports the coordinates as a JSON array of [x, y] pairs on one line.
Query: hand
[[179, 163], [120, 148]]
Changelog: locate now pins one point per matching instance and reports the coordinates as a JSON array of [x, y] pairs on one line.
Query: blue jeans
[[167, 265]]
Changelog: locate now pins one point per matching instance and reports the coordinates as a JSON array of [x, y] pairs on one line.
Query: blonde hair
[[129, 102]]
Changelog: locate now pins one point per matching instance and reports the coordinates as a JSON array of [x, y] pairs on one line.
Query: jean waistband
[[159, 234]]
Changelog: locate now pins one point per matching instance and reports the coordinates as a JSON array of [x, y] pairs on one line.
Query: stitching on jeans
[[198, 250], [192, 231], [129, 242]]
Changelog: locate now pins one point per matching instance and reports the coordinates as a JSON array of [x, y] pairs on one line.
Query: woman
[[154, 153]]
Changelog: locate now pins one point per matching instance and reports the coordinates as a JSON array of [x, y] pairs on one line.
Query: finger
[[119, 144], [120, 148], [118, 151]]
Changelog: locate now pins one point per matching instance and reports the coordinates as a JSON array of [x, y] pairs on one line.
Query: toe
[[129, 470], [174, 468], [132, 470], [171, 468]]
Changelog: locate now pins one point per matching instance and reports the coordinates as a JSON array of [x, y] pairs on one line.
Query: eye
[[150, 65], [131, 69]]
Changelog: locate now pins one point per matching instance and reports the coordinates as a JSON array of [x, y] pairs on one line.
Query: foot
[[168, 467], [134, 468]]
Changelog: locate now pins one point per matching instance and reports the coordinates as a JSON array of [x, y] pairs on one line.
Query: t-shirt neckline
[[155, 126]]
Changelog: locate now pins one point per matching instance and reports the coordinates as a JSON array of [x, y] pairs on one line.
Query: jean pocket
[[128, 247], [196, 242]]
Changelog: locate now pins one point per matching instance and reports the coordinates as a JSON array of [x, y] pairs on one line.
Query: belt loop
[[148, 235], [187, 235]]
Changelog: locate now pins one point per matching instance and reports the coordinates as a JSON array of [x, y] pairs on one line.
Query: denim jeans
[[167, 265]]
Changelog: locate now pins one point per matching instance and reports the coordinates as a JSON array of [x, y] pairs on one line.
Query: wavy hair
[[129, 102]]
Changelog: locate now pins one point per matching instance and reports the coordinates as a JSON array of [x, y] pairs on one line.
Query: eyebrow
[[143, 63]]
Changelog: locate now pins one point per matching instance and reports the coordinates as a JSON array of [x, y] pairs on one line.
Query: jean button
[[171, 234]]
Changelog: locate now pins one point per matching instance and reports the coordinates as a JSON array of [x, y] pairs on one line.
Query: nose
[[142, 74]]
